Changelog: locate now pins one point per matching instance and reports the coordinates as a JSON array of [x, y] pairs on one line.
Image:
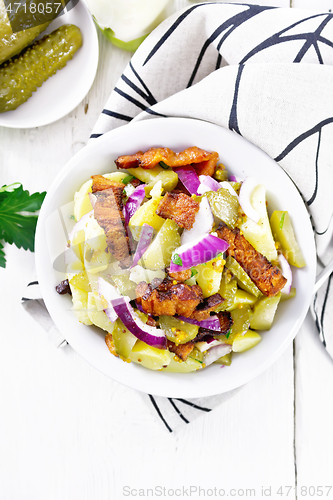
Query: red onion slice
[[133, 202], [208, 181], [246, 190], [189, 177], [120, 307], [144, 242], [203, 223], [216, 352], [211, 323], [152, 336], [201, 250], [287, 273]]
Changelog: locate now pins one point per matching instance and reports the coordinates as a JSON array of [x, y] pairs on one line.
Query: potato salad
[[178, 261]]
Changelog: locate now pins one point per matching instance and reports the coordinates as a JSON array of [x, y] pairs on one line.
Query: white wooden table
[[69, 433]]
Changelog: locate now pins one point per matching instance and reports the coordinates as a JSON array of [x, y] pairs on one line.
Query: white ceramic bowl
[[241, 158]]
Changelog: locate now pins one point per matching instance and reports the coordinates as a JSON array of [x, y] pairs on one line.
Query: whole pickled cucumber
[[21, 76], [13, 43]]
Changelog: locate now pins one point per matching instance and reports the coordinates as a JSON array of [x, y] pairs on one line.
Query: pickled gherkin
[[21, 76], [13, 43], [224, 205]]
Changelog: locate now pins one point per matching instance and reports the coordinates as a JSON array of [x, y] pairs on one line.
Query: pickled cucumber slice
[[178, 331], [224, 205], [264, 312], [21, 76], [158, 254], [13, 43], [243, 279]]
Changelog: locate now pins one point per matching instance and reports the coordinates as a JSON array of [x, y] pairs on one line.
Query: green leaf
[[177, 260], [15, 226], [2, 256], [282, 220], [228, 333], [164, 165], [128, 179], [10, 187]]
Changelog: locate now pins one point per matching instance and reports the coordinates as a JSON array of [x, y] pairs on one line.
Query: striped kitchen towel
[[265, 73]]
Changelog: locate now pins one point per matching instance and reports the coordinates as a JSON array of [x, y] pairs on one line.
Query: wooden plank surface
[[68, 432]]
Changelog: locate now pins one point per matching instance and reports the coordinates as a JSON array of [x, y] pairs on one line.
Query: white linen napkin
[[265, 73]]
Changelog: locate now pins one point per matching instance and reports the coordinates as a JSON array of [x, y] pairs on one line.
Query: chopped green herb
[[177, 260], [220, 254], [72, 217], [228, 333], [164, 165], [128, 179], [282, 220], [16, 225], [193, 272]]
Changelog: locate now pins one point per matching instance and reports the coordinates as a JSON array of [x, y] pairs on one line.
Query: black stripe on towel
[[117, 115], [95, 136], [178, 411], [189, 403], [159, 412], [33, 283]]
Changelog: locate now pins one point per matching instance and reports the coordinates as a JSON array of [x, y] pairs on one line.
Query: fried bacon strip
[[178, 207], [108, 211], [181, 350], [206, 307], [153, 156], [180, 275], [226, 322], [163, 298], [267, 277]]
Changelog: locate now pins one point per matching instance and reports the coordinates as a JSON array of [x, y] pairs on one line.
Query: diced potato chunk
[[96, 259], [209, 276], [158, 254], [123, 339], [178, 366], [81, 281], [169, 177], [242, 298], [98, 317], [260, 235], [146, 215], [264, 312], [150, 357], [245, 342], [284, 234], [80, 304]]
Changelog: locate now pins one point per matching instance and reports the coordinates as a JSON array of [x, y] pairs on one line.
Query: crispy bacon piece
[[101, 183], [153, 156], [181, 350], [109, 342], [226, 323], [180, 275], [108, 212], [167, 299], [207, 167], [267, 277], [178, 207], [206, 307]]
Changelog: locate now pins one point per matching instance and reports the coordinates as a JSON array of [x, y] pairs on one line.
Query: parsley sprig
[[17, 217]]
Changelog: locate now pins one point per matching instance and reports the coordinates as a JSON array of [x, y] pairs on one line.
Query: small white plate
[[62, 92], [241, 158]]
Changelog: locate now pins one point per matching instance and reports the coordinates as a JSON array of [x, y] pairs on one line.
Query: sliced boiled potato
[[139, 273], [264, 312], [150, 177], [123, 339], [246, 341], [260, 235], [81, 281], [178, 366], [146, 215], [80, 304], [74, 268], [242, 298], [150, 357], [158, 254], [96, 259], [98, 317], [209, 276]]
